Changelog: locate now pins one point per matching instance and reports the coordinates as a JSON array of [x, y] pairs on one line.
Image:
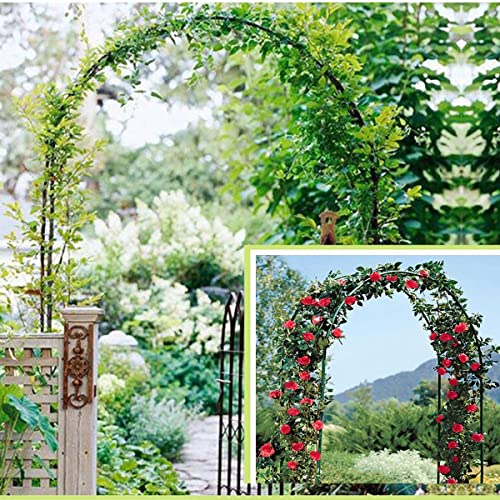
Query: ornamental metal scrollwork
[[78, 370]]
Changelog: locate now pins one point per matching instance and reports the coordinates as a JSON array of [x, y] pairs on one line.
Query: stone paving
[[198, 468]]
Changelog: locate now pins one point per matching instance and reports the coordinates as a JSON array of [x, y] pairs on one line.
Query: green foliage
[[125, 469]]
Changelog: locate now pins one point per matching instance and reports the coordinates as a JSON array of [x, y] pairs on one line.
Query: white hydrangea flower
[[109, 384]]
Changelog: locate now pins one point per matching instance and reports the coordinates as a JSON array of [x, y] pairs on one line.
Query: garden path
[[198, 468]]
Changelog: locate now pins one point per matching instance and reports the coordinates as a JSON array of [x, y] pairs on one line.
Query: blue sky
[[384, 337]]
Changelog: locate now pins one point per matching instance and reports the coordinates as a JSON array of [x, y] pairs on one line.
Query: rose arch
[[463, 357]]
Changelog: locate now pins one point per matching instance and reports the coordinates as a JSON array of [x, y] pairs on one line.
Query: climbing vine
[[313, 61], [294, 452]]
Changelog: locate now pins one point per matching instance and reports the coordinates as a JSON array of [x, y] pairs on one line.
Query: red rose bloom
[[477, 437], [298, 446], [433, 336], [316, 320], [266, 450], [307, 301], [411, 285], [337, 333], [455, 459], [304, 375], [350, 300], [463, 358], [285, 429], [423, 273], [392, 279], [445, 337], [444, 469], [453, 382], [460, 328], [475, 366], [275, 394], [304, 360], [308, 336], [374, 277], [439, 418], [451, 481], [306, 401], [292, 465], [324, 302], [315, 455], [317, 425], [291, 385], [293, 412], [471, 408], [455, 343], [457, 428], [441, 370], [446, 362], [290, 325], [451, 395], [452, 445], [341, 282]]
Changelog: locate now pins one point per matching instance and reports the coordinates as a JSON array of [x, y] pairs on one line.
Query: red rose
[[317, 425], [439, 418], [446, 362], [477, 437], [304, 375], [451, 395], [266, 450], [463, 358], [308, 336], [433, 336], [475, 366], [316, 320], [324, 302], [306, 401], [453, 382], [350, 300], [423, 273], [441, 370], [444, 469], [445, 337], [455, 343], [289, 324], [293, 412], [457, 428], [451, 481], [411, 285], [285, 429], [460, 328], [455, 459], [337, 333], [452, 445], [291, 385], [307, 301], [341, 282], [275, 394], [292, 465], [392, 279], [298, 446], [471, 408], [304, 360], [374, 277], [315, 455]]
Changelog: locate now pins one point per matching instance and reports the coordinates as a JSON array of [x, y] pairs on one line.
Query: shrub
[[125, 469], [405, 466], [163, 423]]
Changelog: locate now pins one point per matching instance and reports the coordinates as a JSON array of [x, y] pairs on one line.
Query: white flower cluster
[[108, 385], [405, 466]]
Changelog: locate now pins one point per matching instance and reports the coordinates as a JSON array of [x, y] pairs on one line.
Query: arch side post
[[78, 402]]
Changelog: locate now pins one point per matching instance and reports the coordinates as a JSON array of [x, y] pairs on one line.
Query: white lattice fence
[[58, 372]]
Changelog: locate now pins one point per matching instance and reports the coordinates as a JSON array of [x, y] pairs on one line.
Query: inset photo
[[374, 366]]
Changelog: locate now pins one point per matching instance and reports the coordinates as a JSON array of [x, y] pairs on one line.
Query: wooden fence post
[[77, 456]]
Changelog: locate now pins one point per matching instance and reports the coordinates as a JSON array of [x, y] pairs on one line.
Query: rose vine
[[294, 452]]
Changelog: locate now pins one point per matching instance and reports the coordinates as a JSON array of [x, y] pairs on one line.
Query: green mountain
[[401, 385]]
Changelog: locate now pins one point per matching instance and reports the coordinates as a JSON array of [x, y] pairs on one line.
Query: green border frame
[[248, 249]]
